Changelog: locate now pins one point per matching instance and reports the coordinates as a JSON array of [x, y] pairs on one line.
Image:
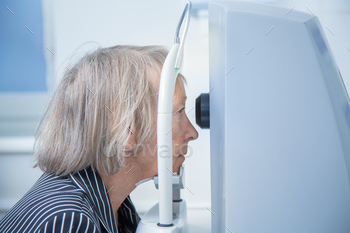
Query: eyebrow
[[183, 101]]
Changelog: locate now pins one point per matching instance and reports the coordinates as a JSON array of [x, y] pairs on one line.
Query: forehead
[[179, 92]]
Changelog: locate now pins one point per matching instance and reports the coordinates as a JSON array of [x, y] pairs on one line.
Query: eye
[[180, 111]]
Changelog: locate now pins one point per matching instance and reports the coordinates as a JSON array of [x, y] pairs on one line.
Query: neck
[[120, 185]]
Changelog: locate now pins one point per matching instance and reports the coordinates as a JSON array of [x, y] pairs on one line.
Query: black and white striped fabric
[[69, 204]]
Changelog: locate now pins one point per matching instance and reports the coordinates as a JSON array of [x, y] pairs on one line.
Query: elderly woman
[[97, 140]]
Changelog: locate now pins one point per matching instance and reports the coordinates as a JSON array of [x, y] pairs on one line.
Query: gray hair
[[99, 102]]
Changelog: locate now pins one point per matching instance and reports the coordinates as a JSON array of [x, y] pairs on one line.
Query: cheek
[[177, 125], [180, 125], [177, 138]]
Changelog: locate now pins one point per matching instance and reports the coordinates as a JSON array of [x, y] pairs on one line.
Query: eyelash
[[180, 111]]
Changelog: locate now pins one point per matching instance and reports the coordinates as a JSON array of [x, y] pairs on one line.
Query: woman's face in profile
[[182, 132]]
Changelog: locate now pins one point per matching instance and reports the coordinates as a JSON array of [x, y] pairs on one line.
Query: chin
[[178, 162], [182, 157]]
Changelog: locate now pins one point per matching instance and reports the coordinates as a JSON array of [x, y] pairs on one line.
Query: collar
[[91, 183]]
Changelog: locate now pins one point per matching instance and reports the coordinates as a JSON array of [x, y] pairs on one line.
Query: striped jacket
[[74, 203]]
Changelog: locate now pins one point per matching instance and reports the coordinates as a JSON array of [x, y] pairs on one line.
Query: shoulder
[[68, 221], [62, 220], [52, 202]]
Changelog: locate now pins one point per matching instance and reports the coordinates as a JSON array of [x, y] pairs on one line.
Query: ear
[[132, 132]]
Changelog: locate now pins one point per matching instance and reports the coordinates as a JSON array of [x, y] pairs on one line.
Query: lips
[[184, 150]]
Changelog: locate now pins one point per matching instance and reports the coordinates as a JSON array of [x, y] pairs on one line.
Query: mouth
[[183, 152]]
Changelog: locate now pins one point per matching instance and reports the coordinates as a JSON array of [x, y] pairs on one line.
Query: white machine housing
[[279, 123], [179, 210]]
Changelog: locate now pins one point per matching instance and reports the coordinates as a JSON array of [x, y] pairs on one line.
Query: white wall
[[134, 22]]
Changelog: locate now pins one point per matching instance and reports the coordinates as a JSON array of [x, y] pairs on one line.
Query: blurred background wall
[[38, 38]]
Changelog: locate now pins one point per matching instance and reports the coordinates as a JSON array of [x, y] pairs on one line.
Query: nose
[[192, 133]]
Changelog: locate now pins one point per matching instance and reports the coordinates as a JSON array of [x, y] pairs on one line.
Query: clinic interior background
[[55, 29]]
